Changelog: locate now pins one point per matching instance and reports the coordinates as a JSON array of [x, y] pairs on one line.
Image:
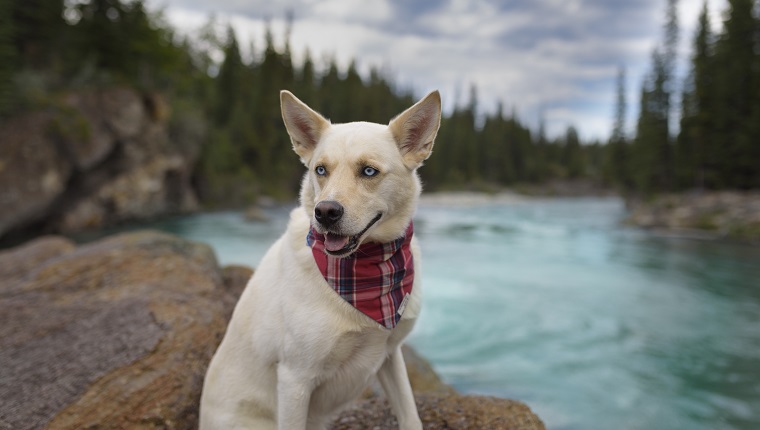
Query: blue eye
[[321, 171], [369, 171]]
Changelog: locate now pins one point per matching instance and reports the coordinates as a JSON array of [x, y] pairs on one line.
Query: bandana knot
[[376, 279]]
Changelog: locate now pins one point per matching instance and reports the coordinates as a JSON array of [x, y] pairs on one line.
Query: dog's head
[[361, 184]]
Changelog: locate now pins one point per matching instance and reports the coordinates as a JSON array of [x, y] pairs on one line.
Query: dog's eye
[[321, 171], [369, 171]]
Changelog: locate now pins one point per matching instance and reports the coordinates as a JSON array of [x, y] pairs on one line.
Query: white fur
[[295, 352]]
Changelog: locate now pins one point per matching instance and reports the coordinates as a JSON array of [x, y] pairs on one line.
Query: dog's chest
[[349, 366]]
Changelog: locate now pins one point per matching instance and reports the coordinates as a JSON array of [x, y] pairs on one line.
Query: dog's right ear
[[304, 125]]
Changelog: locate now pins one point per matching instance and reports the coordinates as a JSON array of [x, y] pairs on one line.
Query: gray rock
[[118, 334], [113, 334], [33, 172], [96, 158]]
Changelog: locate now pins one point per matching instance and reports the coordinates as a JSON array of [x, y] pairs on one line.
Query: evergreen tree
[[652, 148], [471, 142], [306, 84], [541, 171], [328, 87], [572, 155], [39, 32], [736, 97], [695, 154], [350, 97], [7, 56], [618, 161], [229, 80]]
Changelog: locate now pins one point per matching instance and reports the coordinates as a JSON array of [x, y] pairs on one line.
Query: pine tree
[[38, 28], [229, 80], [736, 97], [696, 154], [618, 161], [471, 142], [652, 148], [7, 57], [572, 155], [306, 85]]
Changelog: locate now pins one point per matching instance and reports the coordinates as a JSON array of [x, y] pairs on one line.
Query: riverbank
[[733, 215]]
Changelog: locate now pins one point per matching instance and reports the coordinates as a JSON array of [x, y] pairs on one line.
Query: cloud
[[558, 58]]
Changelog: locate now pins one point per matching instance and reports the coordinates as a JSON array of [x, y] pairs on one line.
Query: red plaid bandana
[[376, 279]]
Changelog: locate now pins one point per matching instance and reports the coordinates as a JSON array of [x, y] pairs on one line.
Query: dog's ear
[[304, 125], [415, 129]]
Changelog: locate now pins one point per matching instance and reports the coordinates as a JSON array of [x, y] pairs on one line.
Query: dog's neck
[[376, 279]]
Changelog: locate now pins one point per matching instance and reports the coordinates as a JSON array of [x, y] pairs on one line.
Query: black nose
[[328, 212]]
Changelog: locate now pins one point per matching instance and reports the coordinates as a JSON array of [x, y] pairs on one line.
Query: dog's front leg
[[293, 397], [395, 383]]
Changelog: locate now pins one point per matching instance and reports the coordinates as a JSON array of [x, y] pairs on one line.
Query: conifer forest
[[695, 130]]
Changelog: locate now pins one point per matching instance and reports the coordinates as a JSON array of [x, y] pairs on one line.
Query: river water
[[552, 302]]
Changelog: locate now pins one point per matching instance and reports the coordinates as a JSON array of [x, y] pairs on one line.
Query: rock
[[95, 158], [118, 334], [113, 334], [721, 214], [34, 174], [235, 279], [421, 374], [18, 262], [255, 214], [443, 412], [124, 112], [82, 131], [158, 187], [439, 406]]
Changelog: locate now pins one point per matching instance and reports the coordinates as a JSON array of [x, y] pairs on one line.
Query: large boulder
[[114, 334], [443, 412], [33, 173], [95, 158], [118, 334]]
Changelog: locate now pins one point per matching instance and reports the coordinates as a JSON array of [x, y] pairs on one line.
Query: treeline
[[54, 46], [718, 142], [49, 46]]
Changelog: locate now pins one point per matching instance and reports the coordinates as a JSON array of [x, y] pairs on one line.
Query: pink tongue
[[333, 242]]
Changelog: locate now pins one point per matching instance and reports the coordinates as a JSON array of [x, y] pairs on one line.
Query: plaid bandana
[[376, 279]]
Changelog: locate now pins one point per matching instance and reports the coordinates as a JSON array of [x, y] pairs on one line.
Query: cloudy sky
[[552, 58]]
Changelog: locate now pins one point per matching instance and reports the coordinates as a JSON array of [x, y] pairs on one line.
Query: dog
[[335, 296]]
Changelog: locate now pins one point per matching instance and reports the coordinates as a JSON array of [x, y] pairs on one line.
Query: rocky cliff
[[92, 159], [118, 334]]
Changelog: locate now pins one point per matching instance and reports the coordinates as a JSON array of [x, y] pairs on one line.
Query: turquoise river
[[553, 302]]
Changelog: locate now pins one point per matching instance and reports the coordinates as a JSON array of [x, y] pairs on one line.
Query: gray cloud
[[559, 57]]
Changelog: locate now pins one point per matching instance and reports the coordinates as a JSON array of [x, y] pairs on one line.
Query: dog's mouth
[[339, 245]]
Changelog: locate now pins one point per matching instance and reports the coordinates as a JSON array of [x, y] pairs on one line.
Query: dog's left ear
[[415, 129], [304, 125]]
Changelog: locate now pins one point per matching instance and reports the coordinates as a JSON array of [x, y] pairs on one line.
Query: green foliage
[[652, 149], [616, 164], [227, 113], [718, 145], [737, 94], [7, 56]]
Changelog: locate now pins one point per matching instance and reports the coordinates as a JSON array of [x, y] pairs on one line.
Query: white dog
[[334, 297]]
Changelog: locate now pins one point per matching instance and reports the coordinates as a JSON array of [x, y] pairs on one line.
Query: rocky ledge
[[94, 158], [717, 214], [118, 333]]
